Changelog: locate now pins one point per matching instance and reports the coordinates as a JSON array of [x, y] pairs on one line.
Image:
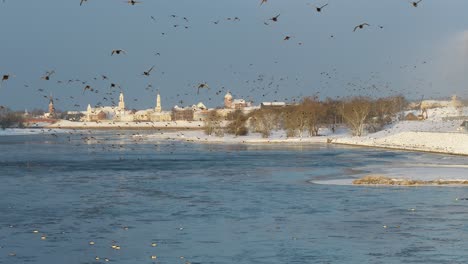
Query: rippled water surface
[[217, 204]]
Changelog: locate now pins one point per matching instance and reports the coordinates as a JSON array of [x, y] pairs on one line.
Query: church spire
[[158, 108], [51, 107], [121, 102]]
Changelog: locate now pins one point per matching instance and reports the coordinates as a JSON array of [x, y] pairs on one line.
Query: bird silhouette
[[47, 75], [275, 18], [133, 2], [201, 86], [87, 87], [5, 77], [319, 9], [360, 26], [147, 73], [118, 51], [415, 4]]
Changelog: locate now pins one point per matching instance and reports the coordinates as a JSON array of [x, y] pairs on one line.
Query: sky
[[416, 52]]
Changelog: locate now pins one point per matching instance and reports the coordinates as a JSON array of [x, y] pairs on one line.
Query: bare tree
[[212, 124], [355, 112], [304, 117], [9, 118], [314, 112], [237, 126], [263, 121]]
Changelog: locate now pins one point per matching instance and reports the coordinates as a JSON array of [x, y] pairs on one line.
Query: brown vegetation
[[264, 121], [382, 180], [237, 125], [212, 124], [355, 112], [310, 114], [9, 118]]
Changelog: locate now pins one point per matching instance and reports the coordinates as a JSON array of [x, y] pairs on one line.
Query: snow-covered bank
[[436, 134], [252, 138], [181, 125], [438, 142], [30, 131]]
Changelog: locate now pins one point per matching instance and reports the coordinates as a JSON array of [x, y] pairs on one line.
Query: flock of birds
[[201, 85]]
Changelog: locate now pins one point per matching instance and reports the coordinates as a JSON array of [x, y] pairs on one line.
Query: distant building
[[182, 113], [228, 100], [231, 103], [121, 102], [51, 113], [272, 104], [121, 114], [153, 115]]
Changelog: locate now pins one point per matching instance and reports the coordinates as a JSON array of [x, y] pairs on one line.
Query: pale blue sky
[[76, 42]]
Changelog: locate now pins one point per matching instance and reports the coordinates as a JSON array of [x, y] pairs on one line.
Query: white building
[[120, 114]]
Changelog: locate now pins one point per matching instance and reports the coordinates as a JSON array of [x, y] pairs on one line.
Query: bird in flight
[[319, 9], [82, 1], [47, 75], [263, 2], [147, 73], [5, 77], [287, 38], [87, 87], [118, 51], [133, 2], [275, 18], [415, 4], [201, 86], [360, 26]]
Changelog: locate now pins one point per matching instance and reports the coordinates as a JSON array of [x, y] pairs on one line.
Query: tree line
[[9, 118], [305, 118]]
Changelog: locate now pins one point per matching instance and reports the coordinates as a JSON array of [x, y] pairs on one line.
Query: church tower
[[228, 100], [158, 104], [121, 102], [51, 107]]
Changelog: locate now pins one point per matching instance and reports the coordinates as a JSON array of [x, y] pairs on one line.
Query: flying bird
[[275, 18], [47, 75], [319, 9], [415, 4], [87, 87], [147, 73], [201, 86], [133, 2], [263, 1], [118, 51], [82, 1], [5, 77], [360, 26]]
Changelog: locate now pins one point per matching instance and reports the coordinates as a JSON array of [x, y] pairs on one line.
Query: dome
[[228, 96]]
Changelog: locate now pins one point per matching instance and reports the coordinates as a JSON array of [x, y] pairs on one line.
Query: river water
[[218, 203]]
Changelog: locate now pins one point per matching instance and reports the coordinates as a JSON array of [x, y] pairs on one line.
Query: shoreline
[[399, 148], [176, 132]]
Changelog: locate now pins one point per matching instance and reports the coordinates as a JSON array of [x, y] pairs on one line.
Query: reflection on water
[[216, 204]]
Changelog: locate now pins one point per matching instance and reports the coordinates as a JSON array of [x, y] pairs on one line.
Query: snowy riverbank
[[437, 134], [181, 125], [277, 137]]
